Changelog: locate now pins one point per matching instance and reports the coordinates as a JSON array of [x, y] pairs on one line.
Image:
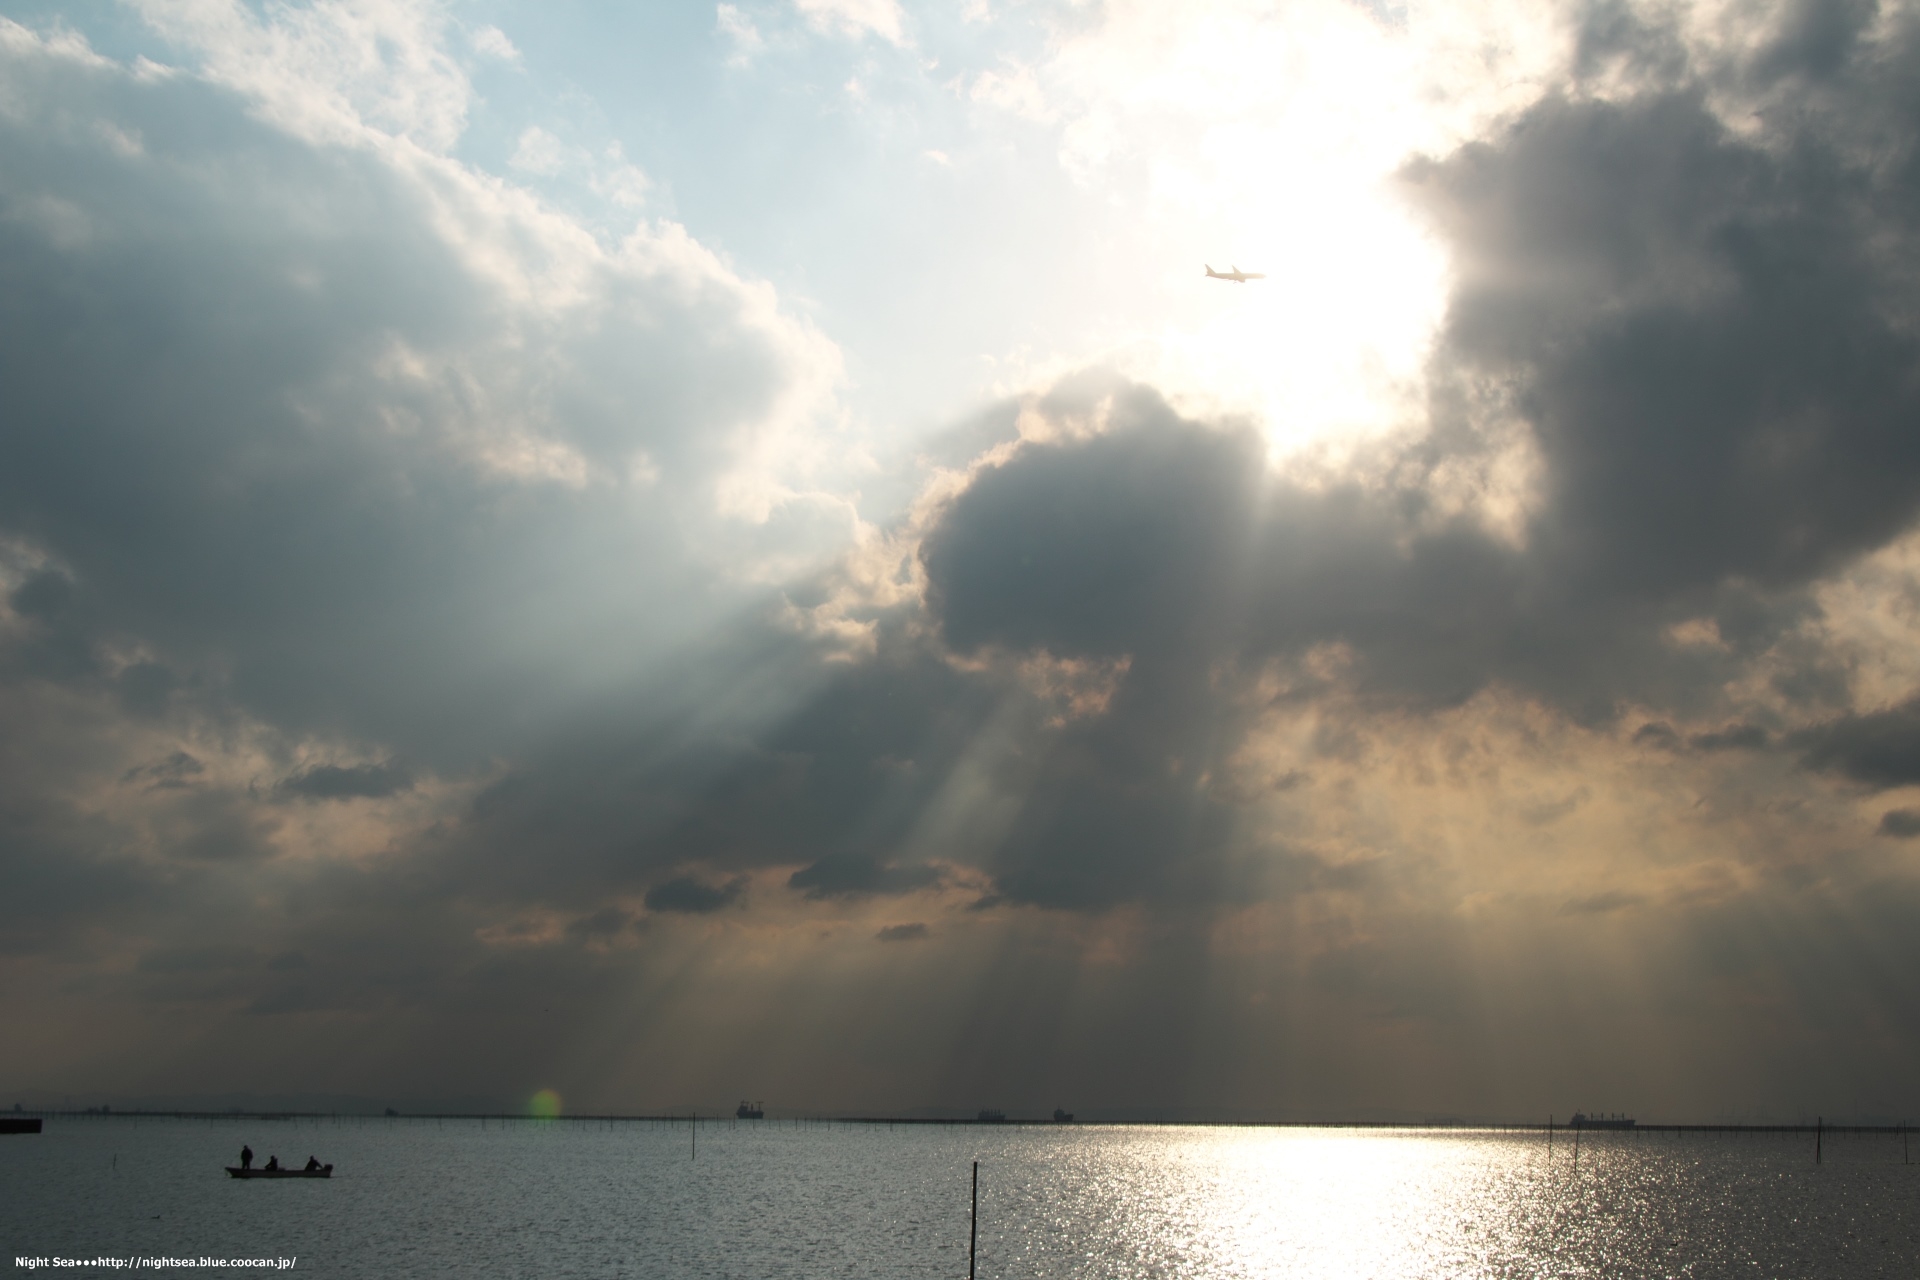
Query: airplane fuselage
[[1236, 275]]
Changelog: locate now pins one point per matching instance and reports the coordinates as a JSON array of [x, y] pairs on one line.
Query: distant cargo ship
[[751, 1111], [1583, 1121], [992, 1117]]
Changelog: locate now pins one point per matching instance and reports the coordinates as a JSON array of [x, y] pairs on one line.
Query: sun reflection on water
[[1230, 1203], [786, 1199]]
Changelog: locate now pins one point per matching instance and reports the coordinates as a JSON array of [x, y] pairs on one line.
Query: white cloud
[[739, 28], [540, 152], [618, 180], [855, 18], [380, 367], [330, 69], [1014, 89], [493, 43]]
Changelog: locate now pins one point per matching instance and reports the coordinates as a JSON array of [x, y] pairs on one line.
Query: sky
[[669, 553]]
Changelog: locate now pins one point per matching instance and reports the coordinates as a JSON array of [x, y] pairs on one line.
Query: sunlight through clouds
[[743, 537], [1269, 136]]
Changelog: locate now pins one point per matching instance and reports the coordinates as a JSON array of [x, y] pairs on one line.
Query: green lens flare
[[545, 1105]]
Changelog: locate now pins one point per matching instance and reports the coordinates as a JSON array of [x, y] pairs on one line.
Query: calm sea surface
[[576, 1198]]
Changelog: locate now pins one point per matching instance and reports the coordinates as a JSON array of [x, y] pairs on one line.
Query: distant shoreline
[[1010, 1122]]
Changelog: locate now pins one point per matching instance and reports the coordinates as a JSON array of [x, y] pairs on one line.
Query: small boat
[[19, 1124], [324, 1171]]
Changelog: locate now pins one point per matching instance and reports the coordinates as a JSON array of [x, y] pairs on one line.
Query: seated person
[[273, 1163], [312, 1163]]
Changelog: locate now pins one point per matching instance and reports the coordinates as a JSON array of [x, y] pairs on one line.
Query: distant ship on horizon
[[751, 1111], [1581, 1120]]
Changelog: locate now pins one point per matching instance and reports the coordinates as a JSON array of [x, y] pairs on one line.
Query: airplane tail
[[1210, 270]]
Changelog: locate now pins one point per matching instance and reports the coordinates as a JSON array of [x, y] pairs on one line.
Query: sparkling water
[[776, 1199]]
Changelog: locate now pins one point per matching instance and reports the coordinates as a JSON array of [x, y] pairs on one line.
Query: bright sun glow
[[1269, 137]]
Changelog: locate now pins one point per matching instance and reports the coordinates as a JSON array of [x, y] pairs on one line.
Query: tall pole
[[693, 1151], [973, 1221]]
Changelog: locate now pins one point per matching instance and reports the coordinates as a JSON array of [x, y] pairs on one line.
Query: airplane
[[1236, 275]]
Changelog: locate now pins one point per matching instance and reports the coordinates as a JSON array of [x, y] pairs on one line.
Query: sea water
[[419, 1197]]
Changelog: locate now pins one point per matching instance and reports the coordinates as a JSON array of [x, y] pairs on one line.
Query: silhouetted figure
[[246, 1157], [312, 1164], [273, 1164]]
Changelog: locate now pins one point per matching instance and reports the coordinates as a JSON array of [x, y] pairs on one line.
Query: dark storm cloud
[[1702, 330], [56, 643], [1879, 750], [692, 896], [346, 782], [1657, 734], [1901, 824], [178, 770], [1117, 544], [852, 875], [913, 932]]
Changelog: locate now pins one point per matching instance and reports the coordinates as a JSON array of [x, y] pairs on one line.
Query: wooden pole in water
[[1549, 1135], [694, 1152], [1819, 1133], [973, 1220]]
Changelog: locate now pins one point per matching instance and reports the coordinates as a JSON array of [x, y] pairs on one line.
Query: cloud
[[328, 448], [691, 896], [1602, 903], [1735, 737], [540, 152], [354, 427], [346, 782], [1697, 335], [740, 29], [1880, 749], [854, 18], [493, 42], [178, 770], [335, 70], [851, 875], [1901, 824]]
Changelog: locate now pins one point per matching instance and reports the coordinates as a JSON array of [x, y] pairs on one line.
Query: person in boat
[[273, 1164], [246, 1157], [312, 1164]]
